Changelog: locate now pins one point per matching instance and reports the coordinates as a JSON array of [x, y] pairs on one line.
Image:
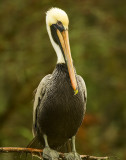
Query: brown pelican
[[60, 99]]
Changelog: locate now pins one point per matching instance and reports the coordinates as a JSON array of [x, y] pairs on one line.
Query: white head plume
[[52, 16]]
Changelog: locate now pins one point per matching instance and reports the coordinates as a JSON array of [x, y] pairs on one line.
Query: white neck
[[60, 58]]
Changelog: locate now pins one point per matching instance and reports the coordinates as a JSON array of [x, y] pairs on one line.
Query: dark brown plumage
[[59, 112]]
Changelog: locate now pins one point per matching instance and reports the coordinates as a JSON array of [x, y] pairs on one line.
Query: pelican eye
[[59, 23], [60, 26]]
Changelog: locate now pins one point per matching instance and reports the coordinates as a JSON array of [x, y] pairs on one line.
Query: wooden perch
[[39, 151]]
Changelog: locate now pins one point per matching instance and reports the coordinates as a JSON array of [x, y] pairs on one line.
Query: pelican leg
[[49, 153], [72, 155]]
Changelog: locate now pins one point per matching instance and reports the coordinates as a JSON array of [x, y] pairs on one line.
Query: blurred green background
[[97, 34]]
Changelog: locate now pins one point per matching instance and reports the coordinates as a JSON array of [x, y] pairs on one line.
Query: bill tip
[[75, 91]]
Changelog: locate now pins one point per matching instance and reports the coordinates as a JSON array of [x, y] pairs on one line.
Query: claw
[[72, 156], [50, 154]]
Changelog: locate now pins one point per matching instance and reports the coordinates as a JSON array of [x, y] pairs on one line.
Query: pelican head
[[57, 27]]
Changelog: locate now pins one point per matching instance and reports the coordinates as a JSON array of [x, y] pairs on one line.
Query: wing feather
[[40, 91], [83, 86]]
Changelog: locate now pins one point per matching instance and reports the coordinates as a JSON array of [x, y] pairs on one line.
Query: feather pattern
[[58, 113]]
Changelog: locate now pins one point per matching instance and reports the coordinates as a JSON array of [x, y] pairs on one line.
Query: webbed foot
[[50, 154], [72, 156]]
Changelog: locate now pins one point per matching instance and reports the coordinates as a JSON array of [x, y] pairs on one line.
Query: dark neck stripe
[[53, 28]]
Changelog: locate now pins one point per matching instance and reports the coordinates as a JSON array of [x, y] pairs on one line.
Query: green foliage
[[97, 36]]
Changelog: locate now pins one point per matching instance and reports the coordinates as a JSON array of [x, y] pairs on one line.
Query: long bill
[[64, 40]]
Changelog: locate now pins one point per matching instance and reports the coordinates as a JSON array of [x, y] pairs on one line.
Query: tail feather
[[35, 143], [65, 148]]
